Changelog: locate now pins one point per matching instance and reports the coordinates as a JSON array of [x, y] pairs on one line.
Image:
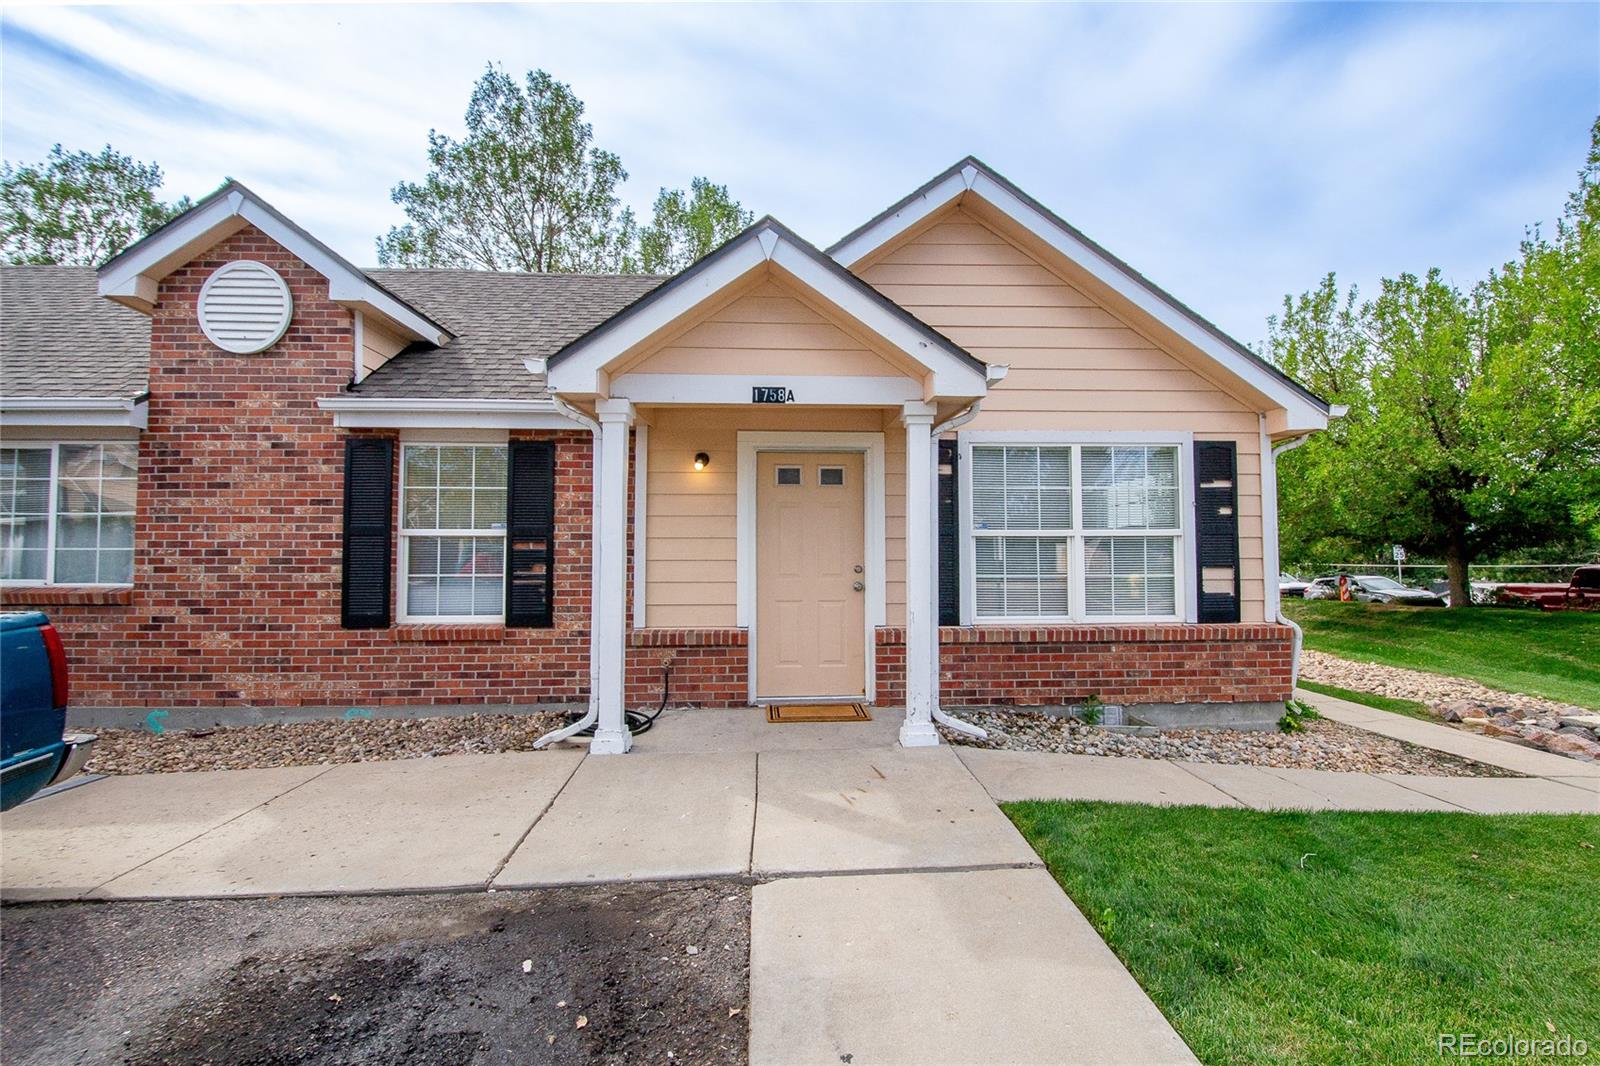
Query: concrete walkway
[[883, 873]]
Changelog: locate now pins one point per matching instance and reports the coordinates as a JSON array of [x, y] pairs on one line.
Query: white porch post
[[922, 619], [611, 735]]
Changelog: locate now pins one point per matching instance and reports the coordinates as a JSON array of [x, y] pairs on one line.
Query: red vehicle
[[1580, 593]]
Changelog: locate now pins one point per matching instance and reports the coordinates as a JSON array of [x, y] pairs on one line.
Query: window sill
[[447, 633], [66, 595]]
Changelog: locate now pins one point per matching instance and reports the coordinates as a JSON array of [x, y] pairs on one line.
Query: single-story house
[[965, 456]]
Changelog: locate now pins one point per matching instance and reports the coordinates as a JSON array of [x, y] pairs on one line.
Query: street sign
[[1399, 554]]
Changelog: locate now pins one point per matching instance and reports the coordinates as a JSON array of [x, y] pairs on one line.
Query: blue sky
[[1231, 152]]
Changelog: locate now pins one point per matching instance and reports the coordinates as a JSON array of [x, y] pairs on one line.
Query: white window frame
[[1186, 608], [54, 447], [403, 537]]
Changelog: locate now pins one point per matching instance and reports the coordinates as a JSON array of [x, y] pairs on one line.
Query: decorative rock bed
[[1561, 728], [132, 751], [1324, 745]]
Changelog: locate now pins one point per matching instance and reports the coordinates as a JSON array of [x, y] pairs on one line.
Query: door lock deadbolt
[[858, 568]]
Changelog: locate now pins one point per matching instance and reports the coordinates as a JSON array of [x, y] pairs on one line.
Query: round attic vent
[[245, 307]]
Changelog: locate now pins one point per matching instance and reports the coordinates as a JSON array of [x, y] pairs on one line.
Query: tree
[[77, 208], [1474, 417], [685, 228], [524, 190]]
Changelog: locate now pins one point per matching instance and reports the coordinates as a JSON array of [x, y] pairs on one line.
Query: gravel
[[1432, 690], [134, 751], [1325, 745]]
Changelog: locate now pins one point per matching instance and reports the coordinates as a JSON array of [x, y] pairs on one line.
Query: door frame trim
[[871, 447]]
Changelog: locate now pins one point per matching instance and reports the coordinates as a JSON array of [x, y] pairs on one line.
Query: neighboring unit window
[[453, 531], [66, 513], [1039, 528]]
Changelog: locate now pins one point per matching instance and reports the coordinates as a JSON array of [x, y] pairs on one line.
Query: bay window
[[452, 532], [66, 513], [1075, 532]]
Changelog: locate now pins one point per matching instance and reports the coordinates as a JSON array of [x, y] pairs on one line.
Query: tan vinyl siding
[[768, 330], [691, 571], [1075, 365], [378, 346]]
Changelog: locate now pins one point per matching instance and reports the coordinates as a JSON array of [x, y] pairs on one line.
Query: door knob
[[858, 586]]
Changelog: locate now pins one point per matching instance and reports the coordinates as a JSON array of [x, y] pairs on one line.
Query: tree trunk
[[1455, 565]]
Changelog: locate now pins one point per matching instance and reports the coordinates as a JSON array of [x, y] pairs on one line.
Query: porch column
[[611, 736], [922, 619]]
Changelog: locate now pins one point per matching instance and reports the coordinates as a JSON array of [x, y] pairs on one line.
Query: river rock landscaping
[[1324, 745], [1561, 728], [136, 751]]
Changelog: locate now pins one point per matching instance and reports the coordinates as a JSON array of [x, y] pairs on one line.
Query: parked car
[[1581, 592], [1289, 585], [35, 750], [1372, 588]]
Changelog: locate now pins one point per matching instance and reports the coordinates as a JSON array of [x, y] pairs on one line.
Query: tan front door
[[810, 575]]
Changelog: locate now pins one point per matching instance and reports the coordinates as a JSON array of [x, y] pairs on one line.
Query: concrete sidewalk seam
[[1186, 768], [1429, 795], [755, 816], [209, 829], [488, 882]]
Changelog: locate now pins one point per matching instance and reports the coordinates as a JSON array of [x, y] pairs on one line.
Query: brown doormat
[[818, 712]]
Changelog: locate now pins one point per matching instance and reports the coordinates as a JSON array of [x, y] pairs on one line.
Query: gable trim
[[131, 276], [578, 366], [1305, 409]]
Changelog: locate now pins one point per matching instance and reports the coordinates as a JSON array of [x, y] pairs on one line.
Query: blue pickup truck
[[35, 750]]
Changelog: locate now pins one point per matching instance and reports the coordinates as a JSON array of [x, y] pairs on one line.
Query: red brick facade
[[236, 595]]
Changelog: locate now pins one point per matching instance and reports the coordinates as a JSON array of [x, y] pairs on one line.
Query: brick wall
[[239, 539], [1039, 666]]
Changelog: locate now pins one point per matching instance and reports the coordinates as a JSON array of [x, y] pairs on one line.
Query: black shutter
[[949, 543], [530, 534], [368, 532], [1216, 501]]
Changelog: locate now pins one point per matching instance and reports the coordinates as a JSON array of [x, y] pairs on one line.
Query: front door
[[810, 576]]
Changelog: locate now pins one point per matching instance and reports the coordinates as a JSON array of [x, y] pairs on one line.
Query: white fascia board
[[869, 241], [96, 412], [952, 374], [357, 412], [841, 391], [133, 282], [580, 371]]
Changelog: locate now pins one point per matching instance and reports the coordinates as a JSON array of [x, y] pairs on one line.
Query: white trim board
[[641, 501], [840, 391], [871, 445], [362, 412], [74, 413], [1303, 414]]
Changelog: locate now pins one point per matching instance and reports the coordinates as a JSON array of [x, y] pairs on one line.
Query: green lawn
[[1337, 937], [1409, 708], [1553, 654]]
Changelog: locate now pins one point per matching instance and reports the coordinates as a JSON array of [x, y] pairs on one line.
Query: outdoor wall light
[[701, 460]]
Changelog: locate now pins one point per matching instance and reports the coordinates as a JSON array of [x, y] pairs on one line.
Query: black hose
[[638, 721]]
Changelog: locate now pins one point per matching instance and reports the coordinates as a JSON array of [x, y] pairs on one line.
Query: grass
[[1410, 708], [1338, 937], [1554, 654]]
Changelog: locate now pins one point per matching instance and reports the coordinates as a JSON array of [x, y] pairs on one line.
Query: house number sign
[[771, 394]]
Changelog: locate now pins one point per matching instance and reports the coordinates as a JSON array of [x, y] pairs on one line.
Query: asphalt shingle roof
[[60, 338], [499, 319]]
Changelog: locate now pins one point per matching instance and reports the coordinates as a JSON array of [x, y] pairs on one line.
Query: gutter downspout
[[955, 421], [1270, 506], [592, 715]]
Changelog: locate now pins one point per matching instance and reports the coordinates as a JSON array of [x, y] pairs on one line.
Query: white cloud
[[1230, 152]]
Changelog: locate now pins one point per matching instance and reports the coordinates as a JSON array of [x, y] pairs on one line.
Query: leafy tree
[[78, 208], [685, 228], [524, 190], [1474, 417]]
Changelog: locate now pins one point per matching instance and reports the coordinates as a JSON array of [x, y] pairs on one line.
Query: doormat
[[818, 712]]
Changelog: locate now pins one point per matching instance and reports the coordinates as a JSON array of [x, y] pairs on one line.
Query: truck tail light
[[58, 664]]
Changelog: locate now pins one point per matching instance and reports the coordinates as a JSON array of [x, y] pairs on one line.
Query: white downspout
[[955, 421], [592, 715], [1269, 507]]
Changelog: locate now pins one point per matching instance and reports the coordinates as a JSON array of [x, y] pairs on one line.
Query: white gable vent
[[245, 307]]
